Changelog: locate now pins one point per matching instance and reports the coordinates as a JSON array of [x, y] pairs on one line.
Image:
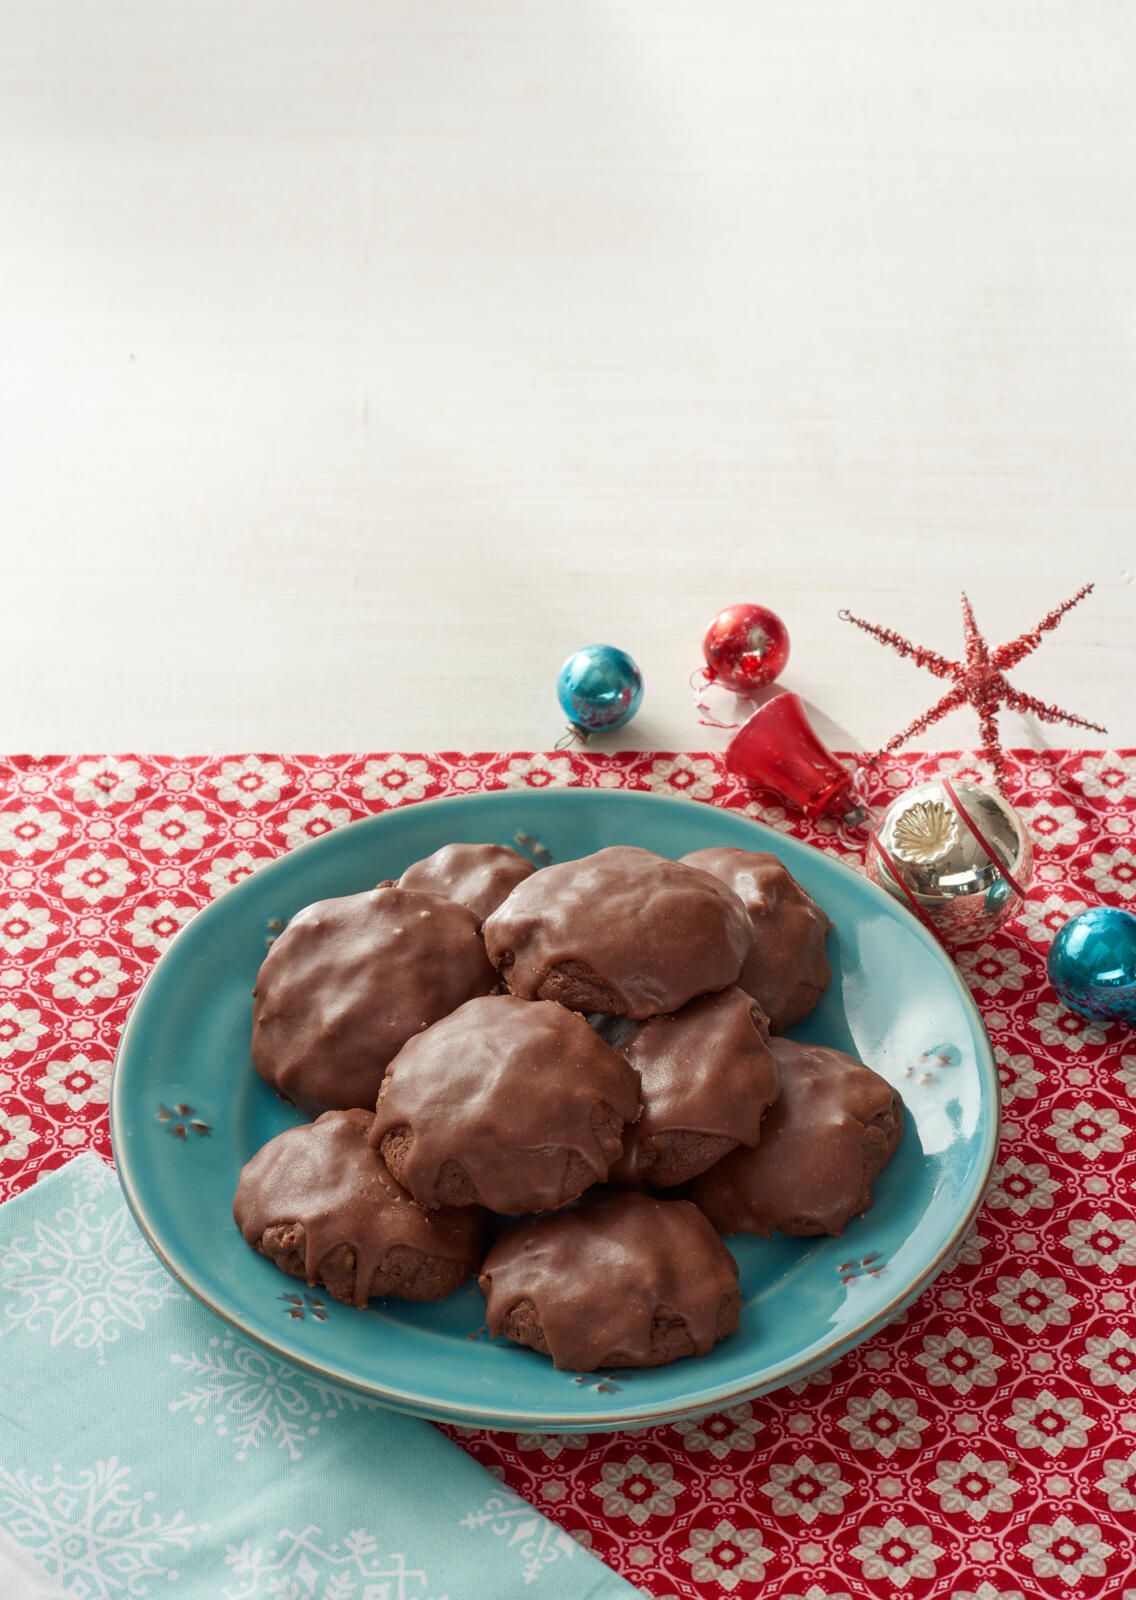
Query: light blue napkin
[[147, 1449]]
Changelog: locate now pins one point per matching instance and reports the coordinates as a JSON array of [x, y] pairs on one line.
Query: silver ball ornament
[[957, 855]]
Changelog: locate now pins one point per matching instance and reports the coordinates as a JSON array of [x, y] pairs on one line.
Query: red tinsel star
[[979, 679]]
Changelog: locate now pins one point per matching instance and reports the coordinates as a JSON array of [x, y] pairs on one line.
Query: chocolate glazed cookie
[[479, 876], [706, 1076], [787, 969], [512, 1104], [831, 1132], [320, 1203], [623, 931], [349, 981], [619, 1280]]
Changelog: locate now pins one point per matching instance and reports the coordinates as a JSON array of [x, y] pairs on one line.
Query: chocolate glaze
[[599, 1275], [326, 1176], [707, 1069], [508, 1090], [479, 876], [349, 981], [831, 1131], [787, 969], [655, 932]]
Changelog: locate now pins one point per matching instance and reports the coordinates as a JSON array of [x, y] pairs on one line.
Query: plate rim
[[614, 1417]]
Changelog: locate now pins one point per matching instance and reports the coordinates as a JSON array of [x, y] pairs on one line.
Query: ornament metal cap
[[778, 749]]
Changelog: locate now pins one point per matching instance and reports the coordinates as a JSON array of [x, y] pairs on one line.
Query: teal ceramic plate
[[187, 1111]]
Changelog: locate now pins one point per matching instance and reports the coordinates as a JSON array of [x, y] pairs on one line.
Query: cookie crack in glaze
[[350, 980], [623, 931], [618, 1280], [707, 1077], [514, 1104], [787, 969], [828, 1136], [319, 1202]]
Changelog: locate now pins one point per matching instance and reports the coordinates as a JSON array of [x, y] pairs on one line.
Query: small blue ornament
[[1092, 964], [599, 688]]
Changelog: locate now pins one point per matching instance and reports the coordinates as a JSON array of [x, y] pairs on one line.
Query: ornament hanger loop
[[699, 679]]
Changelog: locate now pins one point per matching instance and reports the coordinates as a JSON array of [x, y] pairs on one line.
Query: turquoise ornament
[[1092, 964], [599, 689]]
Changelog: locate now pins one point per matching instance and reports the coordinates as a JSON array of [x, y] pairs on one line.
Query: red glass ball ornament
[[745, 648]]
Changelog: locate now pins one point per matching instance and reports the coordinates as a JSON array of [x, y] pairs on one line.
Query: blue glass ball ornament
[[1092, 964], [599, 688]]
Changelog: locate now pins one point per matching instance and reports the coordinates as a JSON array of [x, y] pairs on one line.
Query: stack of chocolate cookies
[[568, 1082]]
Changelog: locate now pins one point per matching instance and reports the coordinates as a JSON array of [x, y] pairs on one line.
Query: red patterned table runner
[[983, 1447]]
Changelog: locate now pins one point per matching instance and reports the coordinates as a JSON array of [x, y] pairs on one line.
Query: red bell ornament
[[745, 648], [777, 749]]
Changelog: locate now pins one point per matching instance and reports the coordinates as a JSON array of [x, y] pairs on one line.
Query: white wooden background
[[359, 358]]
